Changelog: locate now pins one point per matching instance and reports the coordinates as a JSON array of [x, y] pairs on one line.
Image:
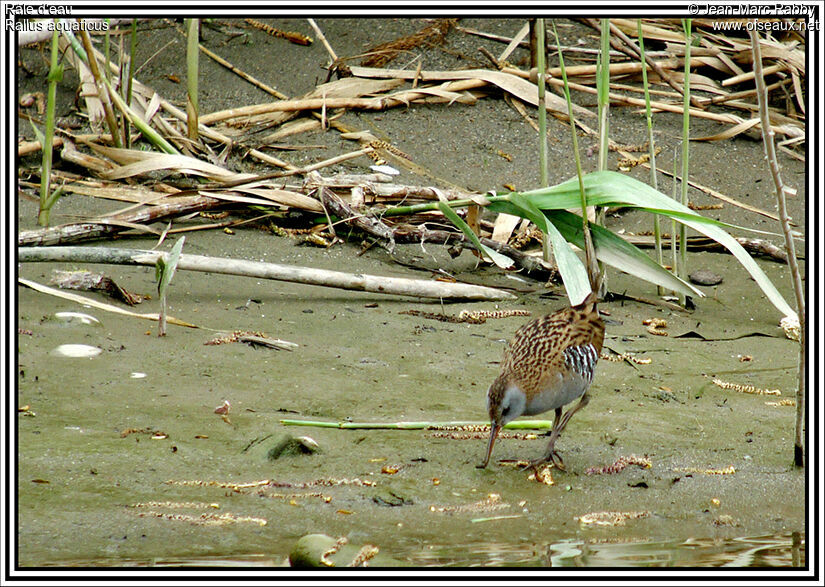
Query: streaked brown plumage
[[548, 364]]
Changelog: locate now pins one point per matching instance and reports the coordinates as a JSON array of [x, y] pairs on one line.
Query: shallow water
[[757, 551]]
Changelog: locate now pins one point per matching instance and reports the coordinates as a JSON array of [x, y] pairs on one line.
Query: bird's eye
[[505, 410]]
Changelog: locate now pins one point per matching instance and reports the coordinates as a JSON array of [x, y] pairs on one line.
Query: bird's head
[[505, 402]]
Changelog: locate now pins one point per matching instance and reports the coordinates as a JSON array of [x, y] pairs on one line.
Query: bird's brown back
[[537, 349]]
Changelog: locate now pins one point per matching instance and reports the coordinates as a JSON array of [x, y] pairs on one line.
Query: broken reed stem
[[317, 29], [773, 164], [297, 171], [653, 64], [192, 78], [102, 92], [254, 81], [622, 99], [381, 103]]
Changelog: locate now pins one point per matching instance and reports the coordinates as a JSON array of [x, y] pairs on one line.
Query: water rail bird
[[548, 364]]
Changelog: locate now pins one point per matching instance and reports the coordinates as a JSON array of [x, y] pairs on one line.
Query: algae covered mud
[[126, 449], [172, 452]]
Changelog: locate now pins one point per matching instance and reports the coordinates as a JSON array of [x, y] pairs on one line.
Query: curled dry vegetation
[[197, 178]]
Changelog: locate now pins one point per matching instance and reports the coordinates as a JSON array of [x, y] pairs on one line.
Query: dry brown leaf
[[731, 131], [284, 197], [142, 162], [504, 226], [123, 193]]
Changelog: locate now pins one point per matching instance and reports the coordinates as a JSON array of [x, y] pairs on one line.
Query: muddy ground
[[81, 473]]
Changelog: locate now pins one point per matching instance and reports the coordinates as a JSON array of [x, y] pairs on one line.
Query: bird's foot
[[551, 457]]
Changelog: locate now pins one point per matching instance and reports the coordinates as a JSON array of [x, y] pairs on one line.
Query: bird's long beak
[[494, 430]]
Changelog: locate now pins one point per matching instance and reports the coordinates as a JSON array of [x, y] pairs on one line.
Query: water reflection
[[781, 550]]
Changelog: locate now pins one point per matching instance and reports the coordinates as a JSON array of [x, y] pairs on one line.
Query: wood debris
[[730, 470], [272, 483], [430, 35], [490, 503], [656, 326], [745, 388], [83, 280], [290, 36], [619, 465], [782, 402], [468, 316], [618, 358]]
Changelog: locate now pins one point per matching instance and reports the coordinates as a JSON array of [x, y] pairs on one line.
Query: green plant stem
[[790, 247], [55, 73], [106, 42], [122, 73], [132, 49], [673, 247], [165, 269], [654, 180], [589, 252], [603, 93], [150, 133], [76, 45], [685, 157], [126, 87], [515, 425], [603, 82], [541, 69], [192, 52]]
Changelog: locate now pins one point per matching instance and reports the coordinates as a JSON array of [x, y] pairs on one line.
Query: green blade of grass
[[169, 266], [613, 250], [572, 270]]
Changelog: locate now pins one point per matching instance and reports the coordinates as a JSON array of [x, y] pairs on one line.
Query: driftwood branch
[[406, 233], [341, 209], [306, 275], [528, 264]]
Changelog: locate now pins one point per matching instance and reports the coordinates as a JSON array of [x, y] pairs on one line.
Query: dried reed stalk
[[781, 190]]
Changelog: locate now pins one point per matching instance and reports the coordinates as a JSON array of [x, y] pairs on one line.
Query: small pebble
[[705, 277]]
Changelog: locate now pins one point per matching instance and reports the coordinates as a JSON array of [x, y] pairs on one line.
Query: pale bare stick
[[321, 36], [424, 288]]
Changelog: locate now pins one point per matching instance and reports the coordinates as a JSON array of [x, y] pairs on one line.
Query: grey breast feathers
[[582, 359]]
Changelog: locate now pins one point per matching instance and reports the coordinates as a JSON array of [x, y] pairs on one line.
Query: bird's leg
[[556, 421], [558, 426]]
